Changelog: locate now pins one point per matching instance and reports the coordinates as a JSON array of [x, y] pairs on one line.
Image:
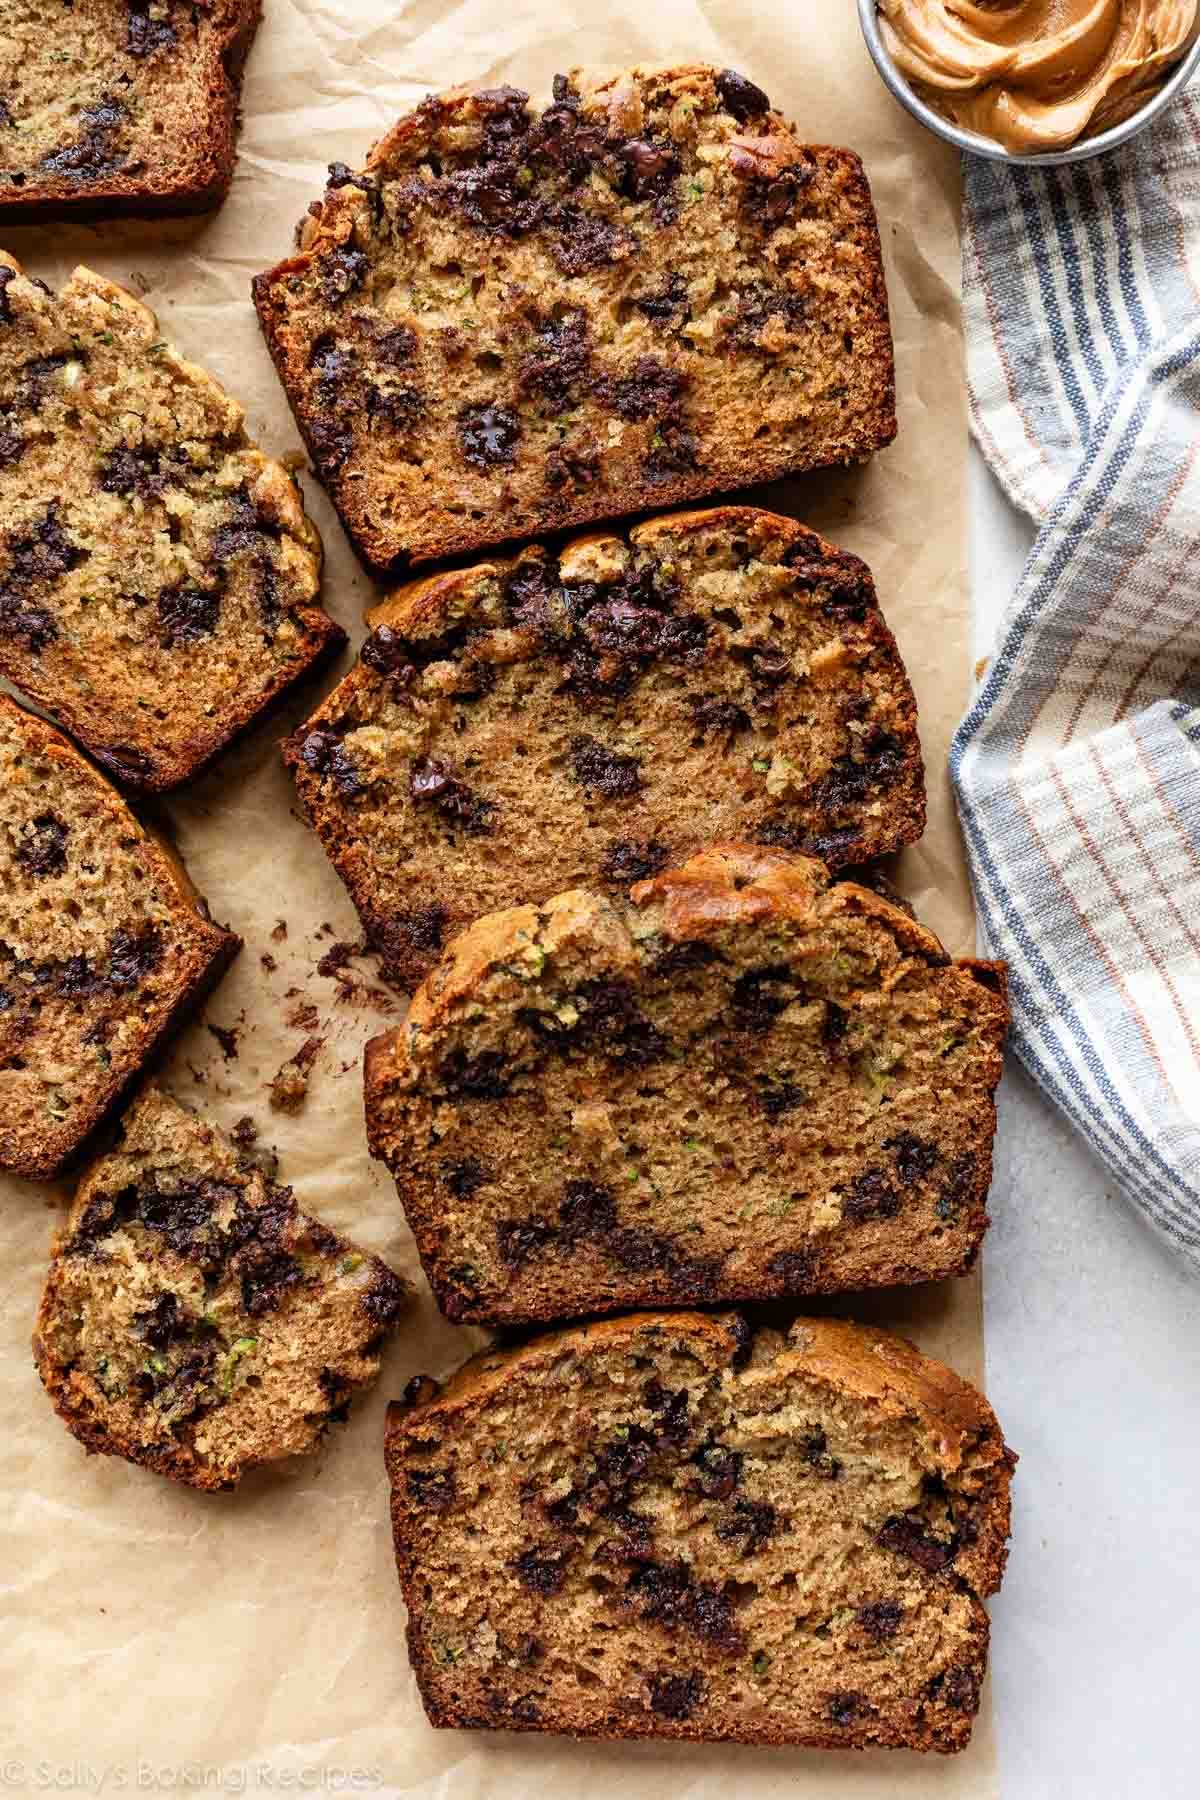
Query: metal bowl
[[974, 145]]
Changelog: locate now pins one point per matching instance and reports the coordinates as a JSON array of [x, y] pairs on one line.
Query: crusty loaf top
[[519, 318]]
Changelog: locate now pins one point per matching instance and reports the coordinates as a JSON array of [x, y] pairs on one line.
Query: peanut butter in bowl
[[1037, 75]]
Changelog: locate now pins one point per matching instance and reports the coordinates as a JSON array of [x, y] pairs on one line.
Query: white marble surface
[[1093, 1352]]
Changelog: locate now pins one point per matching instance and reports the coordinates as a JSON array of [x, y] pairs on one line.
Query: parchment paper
[[164, 1641]]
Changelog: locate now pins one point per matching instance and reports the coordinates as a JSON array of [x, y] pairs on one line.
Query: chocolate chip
[[433, 1489], [43, 850], [740, 96], [387, 652], [676, 1696], [958, 1688], [127, 471], [671, 1411], [519, 1239], [187, 613], [432, 781], [482, 1077], [557, 363], [760, 995], [465, 1177], [419, 929], [324, 754], [915, 1156], [383, 1301], [673, 451], [542, 1574], [757, 305], [602, 771], [649, 390], [750, 1524], [94, 152], [882, 1620], [666, 1595], [907, 1537], [144, 35], [625, 862], [343, 271], [489, 436], [669, 305], [845, 1708], [870, 1195], [710, 712], [795, 1269], [133, 955], [587, 1209], [163, 1324], [651, 165], [960, 1186], [720, 1471], [584, 242], [815, 1449]]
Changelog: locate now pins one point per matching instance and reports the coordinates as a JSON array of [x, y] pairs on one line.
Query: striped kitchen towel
[[1077, 767]]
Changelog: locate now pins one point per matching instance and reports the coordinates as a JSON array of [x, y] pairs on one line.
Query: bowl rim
[[973, 144]]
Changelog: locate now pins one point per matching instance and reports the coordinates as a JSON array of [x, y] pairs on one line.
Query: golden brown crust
[[195, 153], [796, 1079], [719, 750], [390, 533], [863, 1380], [33, 1141]]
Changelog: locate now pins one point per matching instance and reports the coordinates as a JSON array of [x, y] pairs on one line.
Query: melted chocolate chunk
[[489, 436], [915, 1156], [587, 1209], [770, 201], [183, 1214], [584, 242], [387, 653], [432, 782], [324, 753], [38, 558], [163, 1324], [43, 851], [464, 1178], [671, 1411], [676, 1696], [383, 1301], [419, 929], [908, 1537], [760, 995], [132, 955], [604, 772], [556, 367], [779, 1097], [669, 306], [139, 472], [750, 1524], [795, 1269], [664, 1594], [870, 1195], [881, 1621], [720, 1471], [816, 1454], [95, 150], [740, 96], [571, 465], [187, 613], [845, 1708], [757, 306], [625, 863], [343, 271], [958, 1688], [542, 1574], [144, 34], [710, 712], [483, 1077], [959, 1187], [519, 1239], [244, 528], [880, 764], [673, 451], [650, 390], [433, 1489]]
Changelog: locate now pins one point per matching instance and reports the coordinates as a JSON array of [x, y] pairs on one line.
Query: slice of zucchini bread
[[104, 946], [746, 1081], [526, 726], [194, 1320], [517, 318], [158, 575], [119, 106], [661, 1526]]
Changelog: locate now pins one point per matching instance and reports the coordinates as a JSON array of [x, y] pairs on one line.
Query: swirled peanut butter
[[1037, 74]]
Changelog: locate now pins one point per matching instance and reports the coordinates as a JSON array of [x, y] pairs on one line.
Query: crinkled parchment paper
[[168, 1641]]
